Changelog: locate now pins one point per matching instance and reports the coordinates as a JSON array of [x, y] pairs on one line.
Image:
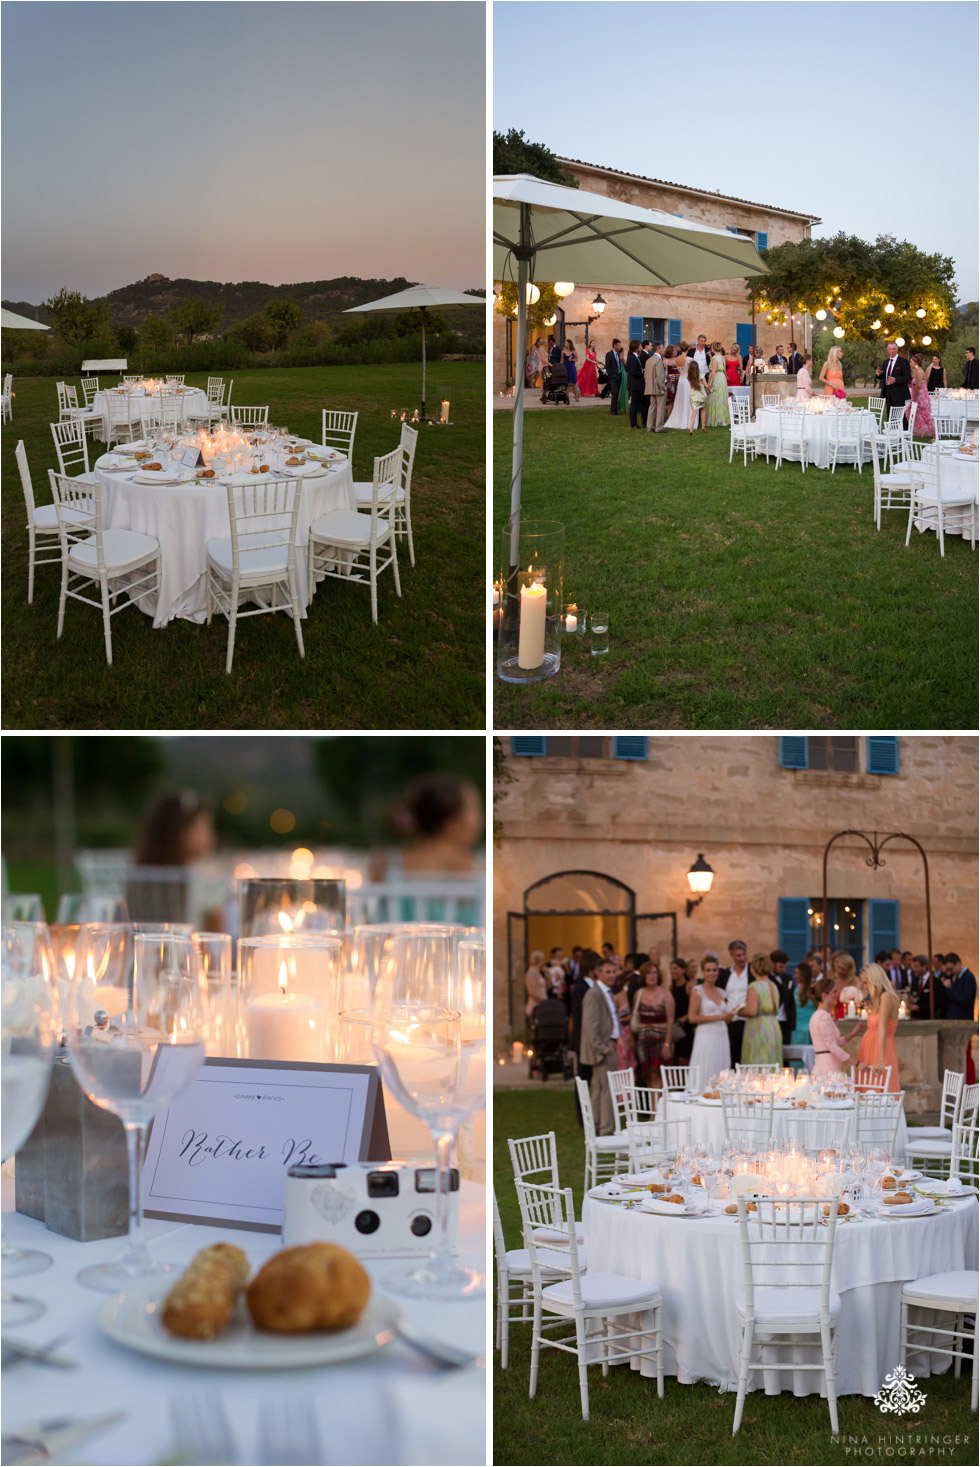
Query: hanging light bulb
[[899, 340], [551, 320], [927, 341], [889, 308], [533, 294], [838, 331], [876, 325], [563, 288], [920, 313], [821, 315]]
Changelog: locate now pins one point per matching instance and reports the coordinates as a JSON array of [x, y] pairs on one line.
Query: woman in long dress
[[733, 366], [569, 357], [680, 413], [708, 1012], [623, 394], [805, 1003], [878, 1045], [762, 1040], [681, 984], [588, 374], [653, 1011], [670, 367], [832, 373], [625, 1053], [924, 426], [830, 1056], [717, 415], [535, 983]]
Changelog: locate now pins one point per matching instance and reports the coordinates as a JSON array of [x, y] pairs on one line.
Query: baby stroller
[[549, 1027], [555, 387]]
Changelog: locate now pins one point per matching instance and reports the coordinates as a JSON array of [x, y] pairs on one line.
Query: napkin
[[940, 1186]]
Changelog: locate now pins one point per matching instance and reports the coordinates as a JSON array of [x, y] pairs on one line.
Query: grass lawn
[[421, 667], [737, 598], [693, 1423]]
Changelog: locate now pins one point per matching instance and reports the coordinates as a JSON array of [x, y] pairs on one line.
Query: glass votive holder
[[408, 1136], [532, 572], [291, 906], [600, 633], [220, 1020], [288, 997], [573, 620]]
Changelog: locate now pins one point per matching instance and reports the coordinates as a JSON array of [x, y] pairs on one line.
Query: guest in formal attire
[[543, 359], [787, 993], [924, 426], [583, 983], [897, 975], [588, 375], [554, 351], [937, 373], [652, 1021], [971, 379], [600, 1032], [682, 984], [625, 1049], [878, 1044], [555, 974], [734, 980], [923, 979], [699, 396], [646, 351], [717, 413], [805, 1002], [570, 361], [830, 1056], [804, 382], [614, 369], [794, 360], [670, 366], [572, 965], [762, 1042], [610, 955], [709, 1012], [832, 373], [535, 983], [895, 375], [779, 359], [733, 365], [699, 353], [680, 412], [534, 363], [655, 383], [634, 385], [961, 988]]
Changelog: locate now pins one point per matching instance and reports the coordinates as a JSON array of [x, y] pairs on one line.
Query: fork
[[288, 1433], [203, 1435]]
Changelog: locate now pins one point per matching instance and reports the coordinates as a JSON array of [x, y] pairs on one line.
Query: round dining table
[[708, 1124], [697, 1262], [818, 432], [193, 403], [959, 475], [184, 516]]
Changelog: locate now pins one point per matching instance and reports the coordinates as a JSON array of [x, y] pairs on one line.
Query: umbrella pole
[[422, 313], [517, 454]]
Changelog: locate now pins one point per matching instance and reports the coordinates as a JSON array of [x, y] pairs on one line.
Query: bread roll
[[317, 1287], [202, 1301]]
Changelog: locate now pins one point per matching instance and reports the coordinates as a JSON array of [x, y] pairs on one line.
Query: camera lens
[[421, 1225], [367, 1222], [382, 1184]]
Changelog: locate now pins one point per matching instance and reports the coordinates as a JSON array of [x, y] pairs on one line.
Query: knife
[[12, 1350], [45, 1440]]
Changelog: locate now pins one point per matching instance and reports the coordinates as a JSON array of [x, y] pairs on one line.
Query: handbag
[[635, 1022]]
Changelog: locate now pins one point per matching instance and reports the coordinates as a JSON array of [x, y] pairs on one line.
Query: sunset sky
[[278, 142]]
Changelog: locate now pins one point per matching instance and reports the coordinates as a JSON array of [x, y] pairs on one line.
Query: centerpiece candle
[[283, 1025], [534, 605]]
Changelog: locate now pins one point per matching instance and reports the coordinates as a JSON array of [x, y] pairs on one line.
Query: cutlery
[[11, 1351], [45, 1440], [450, 1357], [288, 1433], [201, 1430]]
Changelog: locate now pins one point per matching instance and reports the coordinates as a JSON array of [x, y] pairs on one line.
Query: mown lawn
[[421, 667], [737, 598], [692, 1424]]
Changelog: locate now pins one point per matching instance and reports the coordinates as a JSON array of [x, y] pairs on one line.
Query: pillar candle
[[530, 646], [283, 1026], [444, 414]]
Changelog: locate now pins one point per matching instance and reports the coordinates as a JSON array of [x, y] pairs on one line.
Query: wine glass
[[135, 1034], [31, 1030]]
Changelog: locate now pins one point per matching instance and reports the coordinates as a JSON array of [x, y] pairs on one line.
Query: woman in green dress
[[762, 1041], [717, 416]]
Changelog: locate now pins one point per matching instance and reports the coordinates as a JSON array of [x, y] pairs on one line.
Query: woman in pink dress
[[804, 382], [832, 373], [924, 426], [878, 1045], [588, 376], [830, 1054]]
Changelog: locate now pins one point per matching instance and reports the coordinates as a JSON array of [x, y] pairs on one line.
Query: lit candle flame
[[282, 977], [285, 922]]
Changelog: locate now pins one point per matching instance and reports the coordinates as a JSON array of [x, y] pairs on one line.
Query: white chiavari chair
[[513, 1271], [71, 446], [42, 523], [367, 541], [955, 1293], [876, 405], [535, 1159], [847, 441], [122, 412], [249, 417], [771, 1068], [948, 1108], [620, 1081], [175, 379], [876, 1118], [678, 1079], [933, 507], [933, 1155], [870, 1077], [604, 1155], [338, 429], [403, 489], [791, 436], [259, 554], [7, 399], [744, 434], [90, 386], [653, 1142], [747, 1116]]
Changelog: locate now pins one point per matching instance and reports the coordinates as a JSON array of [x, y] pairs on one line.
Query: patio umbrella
[[14, 322], [419, 298], [570, 234]]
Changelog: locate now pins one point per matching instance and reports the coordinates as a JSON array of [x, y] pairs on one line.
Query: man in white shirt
[[735, 981], [701, 355]]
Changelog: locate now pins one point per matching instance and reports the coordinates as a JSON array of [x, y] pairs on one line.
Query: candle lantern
[[289, 997], [529, 638], [290, 906], [444, 411], [573, 620]]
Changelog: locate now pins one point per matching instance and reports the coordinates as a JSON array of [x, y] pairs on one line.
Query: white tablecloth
[[708, 1124], [959, 407], [184, 519], [960, 475], [390, 1407], [818, 430], [698, 1265], [193, 400]]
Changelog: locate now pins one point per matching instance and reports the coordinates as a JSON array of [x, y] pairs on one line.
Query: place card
[[193, 458], [220, 1153]]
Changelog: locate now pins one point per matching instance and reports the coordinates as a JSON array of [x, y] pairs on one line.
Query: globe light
[[927, 341], [533, 294], [838, 331], [876, 325], [920, 313], [899, 340], [821, 315], [889, 308], [551, 320], [563, 288]]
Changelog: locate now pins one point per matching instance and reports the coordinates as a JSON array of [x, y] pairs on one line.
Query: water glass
[[600, 633]]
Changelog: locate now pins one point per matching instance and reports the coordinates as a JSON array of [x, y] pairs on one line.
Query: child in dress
[[699, 396]]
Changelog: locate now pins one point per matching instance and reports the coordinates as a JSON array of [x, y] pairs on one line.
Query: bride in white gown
[[710, 1015], [680, 415]]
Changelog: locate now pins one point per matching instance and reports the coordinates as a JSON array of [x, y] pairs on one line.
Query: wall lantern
[[598, 305], [700, 877]]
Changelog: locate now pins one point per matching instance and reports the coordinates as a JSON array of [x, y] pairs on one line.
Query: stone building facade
[[597, 836], [718, 309]]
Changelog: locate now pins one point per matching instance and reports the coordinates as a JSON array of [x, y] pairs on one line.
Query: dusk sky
[[780, 102], [278, 142]]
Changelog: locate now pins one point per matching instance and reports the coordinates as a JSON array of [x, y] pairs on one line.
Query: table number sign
[[221, 1151], [193, 458]]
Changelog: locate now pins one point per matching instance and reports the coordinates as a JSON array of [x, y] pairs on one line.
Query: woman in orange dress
[[832, 373], [878, 1044]]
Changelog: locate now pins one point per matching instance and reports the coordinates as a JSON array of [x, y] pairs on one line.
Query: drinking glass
[[221, 1028], [600, 633], [135, 1033], [23, 907], [31, 1030]]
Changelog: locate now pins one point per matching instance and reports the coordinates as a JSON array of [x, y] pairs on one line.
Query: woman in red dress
[[588, 378], [733, 366]]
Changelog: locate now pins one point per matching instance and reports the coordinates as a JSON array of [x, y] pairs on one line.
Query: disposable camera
[[374, 1209]]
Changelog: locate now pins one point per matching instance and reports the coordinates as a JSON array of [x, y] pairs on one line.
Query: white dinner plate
[[631, 1179], [133, 1320], [704, 1101], [156, 476], [333, 455], [921, 1207], [671, 1209]]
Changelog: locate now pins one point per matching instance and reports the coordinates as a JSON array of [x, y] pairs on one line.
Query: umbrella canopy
[[563, 233], [11, 320], [419, 298]]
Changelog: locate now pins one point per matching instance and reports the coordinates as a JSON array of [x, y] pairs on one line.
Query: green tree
[[514, 153], [127, 338], [284, 315], [75, 318], [315, 333], [408, 323], [156, 334], [539, 313], [194, 318], [254, 332]]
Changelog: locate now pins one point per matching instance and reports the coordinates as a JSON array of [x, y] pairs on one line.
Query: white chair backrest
[[339, 428], [785, 1244], [950, 1102], [384, 482], [131, 378], [534, 1158], [585, 1105], [71, 446], [876, 1118], [771, 399], [640, 1103], [949, 427], [964, 1160], [78, 504], [20, 454], [90, 386], [216, 390], [176, 377], [263, 513], [876, 405], [741, 409], [678, 1077], [122, 409], [408, 444], [866, 1077], [549, 1207], [747, 1116], [159, 412], [619, 1082], [767, 1069], [790, 423], [821, 1133], [250, 417], [651, 1142]]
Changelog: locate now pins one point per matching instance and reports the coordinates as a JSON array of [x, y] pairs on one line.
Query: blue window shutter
[[743, 335], [761, 240], [883, 756], [794, 927], [528, 746], [882, 926], [636, 328], [630, 746], [673, 333], [793, 752], [731, 229]]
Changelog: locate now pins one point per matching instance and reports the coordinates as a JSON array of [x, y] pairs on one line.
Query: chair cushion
[[619, 1142], [796, 1307], [364, 493], [935, 1146], [519, 1262], [957, 1287], [555, 1235], [120, 548], [46, 516], [929, 1133], [605, 1291], [256, 560], [346, 527]]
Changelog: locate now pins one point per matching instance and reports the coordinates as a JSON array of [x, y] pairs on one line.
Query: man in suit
[[893, 967], [554, 352], [614, 370], [655, 382], [961, 988], [780, 359], [794, 361], [922, 979], [971, 379], [786, 1013], [580, 988], [735, 981], [600, 1031], [895, 375], [572, 965], [634, 384], [646, 351]]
